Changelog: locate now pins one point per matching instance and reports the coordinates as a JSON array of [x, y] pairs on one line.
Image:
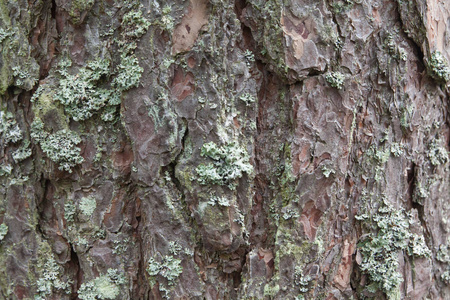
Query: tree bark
[[224, 149]]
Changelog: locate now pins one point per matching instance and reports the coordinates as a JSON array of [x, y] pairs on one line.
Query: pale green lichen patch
[[301, 280], [380, 250], [438, 67], [134, 24], [129, 73], [445, 277], [327, 171], [221, 201], [60, 147], [3, 231], [397, 149], [51, 280], [335, 79], [88, 205], [102, 287], [271, 289], [5, 169], [443, 254], [23, 152], [167, 22], [437, 153], [169, 267], [9, 129], [249, 57], [69, 211], [5, 34], [78, 7], [248, 98], [229, 163], [81, 94], [340, 6], [290, 212]]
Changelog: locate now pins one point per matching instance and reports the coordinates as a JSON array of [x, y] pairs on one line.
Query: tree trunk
[[224, 149]]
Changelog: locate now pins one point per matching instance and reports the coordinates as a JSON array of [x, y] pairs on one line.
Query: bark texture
[[279, 149]]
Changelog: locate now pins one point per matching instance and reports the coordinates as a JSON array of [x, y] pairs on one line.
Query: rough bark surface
[[282, 149]]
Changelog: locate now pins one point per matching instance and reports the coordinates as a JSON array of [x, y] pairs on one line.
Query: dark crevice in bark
[[171, 168], [140, 273], [338, 27], [416, 47], [74, 265], [40, 207], [53, 10], [411, 183], [315, 72], [418, 53], [412, 179], [261, 228]]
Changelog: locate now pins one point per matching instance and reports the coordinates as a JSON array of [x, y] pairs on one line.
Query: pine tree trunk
[[200, 149]]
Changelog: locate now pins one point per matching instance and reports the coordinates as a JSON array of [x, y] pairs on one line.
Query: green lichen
[[380, 250], [396, 51], [389, 43], [69, 211], [445, 277], [397, 149], [221, 201], [270, 290], [249, 57], [3, 231], [129, 73], [229, 162], [88, 205], [169, 267], [335, 79], [60, 147], [50, 279], [290, 212], [301, 280], [102, 287], [167, 21], [340, 6], [438, 67], [175, 248], [327, 171], [23, 152], [121, 245], [81, 94], [134, 24], [437, 153], [77, 7], [248, 98], [9, 129], [443, 254], [22, 76], [5, 33], [5, 169]]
